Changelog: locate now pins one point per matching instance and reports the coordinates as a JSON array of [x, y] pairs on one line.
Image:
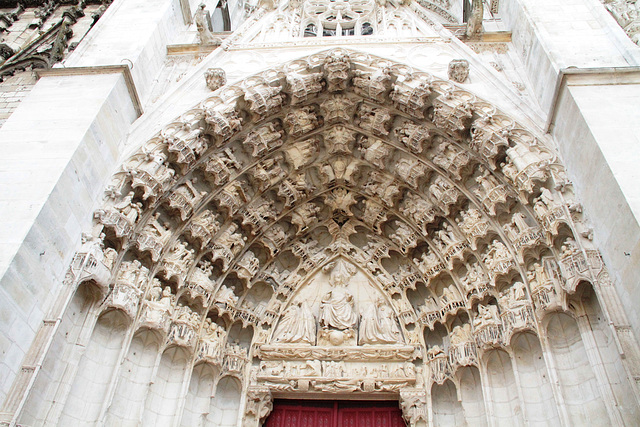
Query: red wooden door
[[301, 413]]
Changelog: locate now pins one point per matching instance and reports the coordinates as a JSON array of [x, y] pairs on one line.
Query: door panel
[[301, 413]]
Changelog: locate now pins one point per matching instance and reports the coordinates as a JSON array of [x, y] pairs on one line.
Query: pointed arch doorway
[[327, 413]]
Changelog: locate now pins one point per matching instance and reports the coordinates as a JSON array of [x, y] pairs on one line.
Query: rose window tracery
[[338, 18]]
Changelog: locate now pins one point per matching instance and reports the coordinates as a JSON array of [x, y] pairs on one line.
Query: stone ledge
[[99, 69], [574, 76]]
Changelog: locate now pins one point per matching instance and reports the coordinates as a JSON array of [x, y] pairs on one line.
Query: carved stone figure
[[233, 196], [447, 237], [337, 68], [204, 33], [429, 263], [153, 236], [93, 262], [338, 109], [228, 244], [498, 259], [490, 136], [444, 192], [341, 200], [303, 86], [294, 188], [226, 295], [451, 159], [185, 198], [263, 139], [159, 308], [382, 186], [515, 296], [404, 237], [376, 120], [302, 153], [247, 266], [185, 142], [220, 166], [474, 24], [475, 277], [274, 238], [411, 170], [300, 121], [211, 342], [461, 334], [339, 169], [224, 122], [487, 316], [297, 325], [153, 175], [304, 215], [337, 309], [375, 151], [199, 280], [177, 261], [525, 165], [264, 100], [490, 191], [373, 85], [411, 96], [126, 211], [414, 406], [377, 325], [203, 227], [414, 137], [452, 113], [339, 140], [458, 70]]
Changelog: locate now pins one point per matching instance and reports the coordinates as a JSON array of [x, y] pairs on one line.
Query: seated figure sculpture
[[337, 309]]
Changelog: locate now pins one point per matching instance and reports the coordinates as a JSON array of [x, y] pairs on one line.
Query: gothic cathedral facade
[[319, 212]]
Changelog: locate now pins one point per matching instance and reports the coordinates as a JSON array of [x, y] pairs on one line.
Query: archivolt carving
[[448, 208]]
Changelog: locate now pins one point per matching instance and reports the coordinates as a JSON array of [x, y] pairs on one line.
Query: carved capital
[[413, 403], [259, 405]]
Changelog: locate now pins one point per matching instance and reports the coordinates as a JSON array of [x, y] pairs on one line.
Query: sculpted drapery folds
[[297, 325], [377, 325], [338, 309]]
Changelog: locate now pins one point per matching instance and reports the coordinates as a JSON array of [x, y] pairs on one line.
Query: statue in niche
[[515, 296], [337, 309], [461, 334], [128, 208], [487, 315], [226, 295], [297, 325], [184, 314], [159, 306], [211, 341], [377, 325]]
